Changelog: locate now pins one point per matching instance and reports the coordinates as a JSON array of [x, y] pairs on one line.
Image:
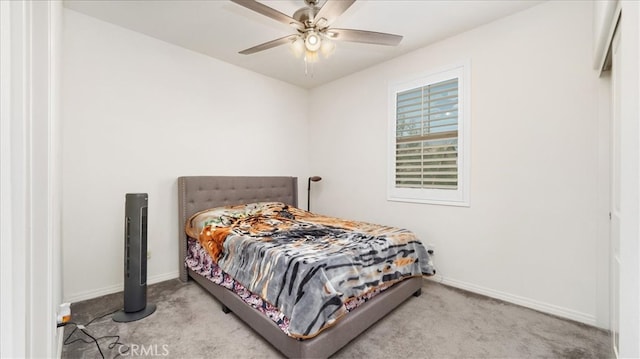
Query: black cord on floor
[[83, 329]]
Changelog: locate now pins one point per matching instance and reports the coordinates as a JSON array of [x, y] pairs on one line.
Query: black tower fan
[[135, 260]]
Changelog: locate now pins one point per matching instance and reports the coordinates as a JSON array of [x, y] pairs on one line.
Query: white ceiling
[[220, 29]]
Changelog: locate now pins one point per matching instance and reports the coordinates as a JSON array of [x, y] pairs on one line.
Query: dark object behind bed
[[203, 192]]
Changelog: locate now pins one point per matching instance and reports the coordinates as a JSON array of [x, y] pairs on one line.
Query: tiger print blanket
[[306, 265]]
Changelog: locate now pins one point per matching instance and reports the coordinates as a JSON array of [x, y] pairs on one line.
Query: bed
[[198, 193]]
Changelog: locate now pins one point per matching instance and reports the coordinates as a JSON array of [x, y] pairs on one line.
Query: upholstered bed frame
[[198, 193]]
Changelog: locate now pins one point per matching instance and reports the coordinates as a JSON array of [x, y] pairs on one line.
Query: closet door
[[615, 192]]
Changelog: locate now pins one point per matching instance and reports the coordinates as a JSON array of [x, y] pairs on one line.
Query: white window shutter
[[427, 136]]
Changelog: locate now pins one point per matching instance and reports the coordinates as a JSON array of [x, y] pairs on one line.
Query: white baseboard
[[162, 277], [90, 294], [522, 301]]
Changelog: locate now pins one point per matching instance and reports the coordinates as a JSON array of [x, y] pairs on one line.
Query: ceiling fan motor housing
[[306, 15]]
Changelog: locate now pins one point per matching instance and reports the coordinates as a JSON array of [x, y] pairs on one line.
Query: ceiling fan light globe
[[311, 56], [297, 47], [312, 42], [328, 48]]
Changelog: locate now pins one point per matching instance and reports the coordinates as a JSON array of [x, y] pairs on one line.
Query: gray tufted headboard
[[197, 193]]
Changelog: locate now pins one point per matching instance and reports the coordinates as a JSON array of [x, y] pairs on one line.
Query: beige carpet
[[442, 323]]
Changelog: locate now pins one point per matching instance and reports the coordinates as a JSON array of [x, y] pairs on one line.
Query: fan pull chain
[[308, 67]]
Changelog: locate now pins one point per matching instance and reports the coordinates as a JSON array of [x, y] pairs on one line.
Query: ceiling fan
[[313, 25]]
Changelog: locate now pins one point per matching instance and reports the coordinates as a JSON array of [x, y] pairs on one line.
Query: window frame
[[459, 196]]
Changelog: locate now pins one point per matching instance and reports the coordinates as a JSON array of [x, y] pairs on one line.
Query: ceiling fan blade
[[269, 12], [268, 45], [331, 10], [367, 37]]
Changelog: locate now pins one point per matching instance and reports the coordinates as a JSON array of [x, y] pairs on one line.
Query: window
[[429, 138]]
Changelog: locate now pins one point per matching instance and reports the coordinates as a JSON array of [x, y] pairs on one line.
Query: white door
[[615, 192]]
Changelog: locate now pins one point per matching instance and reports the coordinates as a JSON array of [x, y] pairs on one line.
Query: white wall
[[531, 232], [138, 113]]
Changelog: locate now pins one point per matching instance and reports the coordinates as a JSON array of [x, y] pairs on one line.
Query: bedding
[[199, 261], [307, 266]]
